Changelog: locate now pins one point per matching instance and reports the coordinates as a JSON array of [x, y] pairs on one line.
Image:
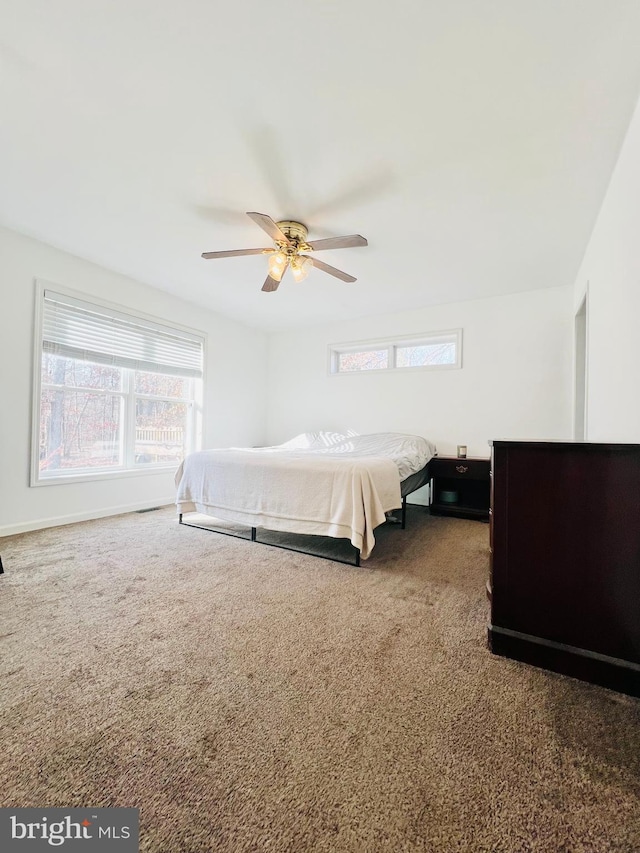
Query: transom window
[[435, 350], [115, 393]]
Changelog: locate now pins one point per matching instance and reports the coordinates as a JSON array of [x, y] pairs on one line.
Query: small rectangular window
[[430, 351], [426, 355], [377, 359]]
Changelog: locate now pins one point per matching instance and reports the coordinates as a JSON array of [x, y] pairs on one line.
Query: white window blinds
[[92, 333]]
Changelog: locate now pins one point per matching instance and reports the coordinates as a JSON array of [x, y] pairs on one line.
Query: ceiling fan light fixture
[[300, 268], [277, 263], [290, 239]]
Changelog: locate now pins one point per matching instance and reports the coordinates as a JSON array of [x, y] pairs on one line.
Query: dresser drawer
[[469, 469]]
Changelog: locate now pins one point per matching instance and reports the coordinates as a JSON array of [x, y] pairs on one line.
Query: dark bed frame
[[411, 484]]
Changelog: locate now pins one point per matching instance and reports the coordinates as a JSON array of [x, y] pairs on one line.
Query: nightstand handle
[[462, 469]]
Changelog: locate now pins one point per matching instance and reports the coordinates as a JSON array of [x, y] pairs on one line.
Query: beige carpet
[[252, 699]]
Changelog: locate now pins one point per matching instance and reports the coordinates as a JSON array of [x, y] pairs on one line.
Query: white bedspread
[[337, 490], [409, 452]]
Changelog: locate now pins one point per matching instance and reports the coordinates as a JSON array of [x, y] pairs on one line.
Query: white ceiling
[[471, 141]]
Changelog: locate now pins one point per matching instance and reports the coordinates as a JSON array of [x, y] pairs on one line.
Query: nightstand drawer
[[468, 469]]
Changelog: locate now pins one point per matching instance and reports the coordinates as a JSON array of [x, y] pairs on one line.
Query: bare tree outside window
[[79, 427], [368, 360], [83, 415], [426, 354]]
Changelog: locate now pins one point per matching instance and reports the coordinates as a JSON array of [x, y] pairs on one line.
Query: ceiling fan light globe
[[300, 268], [277, 265]]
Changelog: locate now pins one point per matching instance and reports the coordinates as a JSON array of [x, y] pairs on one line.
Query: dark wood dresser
[[565, 559]]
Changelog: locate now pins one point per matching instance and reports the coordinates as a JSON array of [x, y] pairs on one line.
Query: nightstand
[[460, 487]]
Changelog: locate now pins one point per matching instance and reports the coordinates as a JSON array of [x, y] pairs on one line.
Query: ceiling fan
[[290, 240]]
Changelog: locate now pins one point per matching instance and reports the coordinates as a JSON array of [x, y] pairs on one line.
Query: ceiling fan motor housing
[[294, 231]]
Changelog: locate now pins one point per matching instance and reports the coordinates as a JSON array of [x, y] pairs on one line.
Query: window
[[115, 393], [433, 351], [374, 359]]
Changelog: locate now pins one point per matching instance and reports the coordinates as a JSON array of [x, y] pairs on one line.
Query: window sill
[[91, 477]]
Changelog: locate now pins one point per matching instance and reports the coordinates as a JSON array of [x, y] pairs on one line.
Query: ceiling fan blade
[[267, 224], [235, 252], [271, 284], [344, 276], [338, 242]]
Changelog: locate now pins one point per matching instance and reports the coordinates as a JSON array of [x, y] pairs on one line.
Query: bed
[[324, 483]]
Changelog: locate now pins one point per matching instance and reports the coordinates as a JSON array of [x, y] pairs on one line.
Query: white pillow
[[314, 440]]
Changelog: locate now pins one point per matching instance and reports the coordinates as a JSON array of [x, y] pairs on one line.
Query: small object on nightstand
[[462, 451]]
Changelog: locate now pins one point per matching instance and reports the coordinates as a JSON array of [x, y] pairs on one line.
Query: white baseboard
[[88, 515]]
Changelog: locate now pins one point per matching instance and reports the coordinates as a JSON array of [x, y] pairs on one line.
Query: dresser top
[[558, 443]]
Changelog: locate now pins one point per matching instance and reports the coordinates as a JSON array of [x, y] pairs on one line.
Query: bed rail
[[253, 537]]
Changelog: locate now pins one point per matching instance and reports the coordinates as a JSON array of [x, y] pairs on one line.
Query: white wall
[[234, 405], [611, 269], [516, 379]]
